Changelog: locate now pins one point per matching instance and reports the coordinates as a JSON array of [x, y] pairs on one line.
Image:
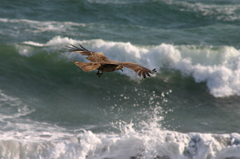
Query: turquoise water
[[49, 108]]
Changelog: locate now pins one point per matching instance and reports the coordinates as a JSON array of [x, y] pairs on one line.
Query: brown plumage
[[100, 62]]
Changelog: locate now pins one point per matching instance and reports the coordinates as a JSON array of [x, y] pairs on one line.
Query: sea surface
[[51, 109]]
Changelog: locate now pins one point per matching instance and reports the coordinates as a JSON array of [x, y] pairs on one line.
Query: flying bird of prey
[[100, 62]]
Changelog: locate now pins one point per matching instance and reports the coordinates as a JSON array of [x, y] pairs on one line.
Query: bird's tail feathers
[[86, 67]]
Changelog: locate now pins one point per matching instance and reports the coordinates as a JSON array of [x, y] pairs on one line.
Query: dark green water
[[47, 103]]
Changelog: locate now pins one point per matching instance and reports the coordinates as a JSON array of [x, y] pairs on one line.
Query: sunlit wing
[[140, 70], [91, 56], [86, 67]]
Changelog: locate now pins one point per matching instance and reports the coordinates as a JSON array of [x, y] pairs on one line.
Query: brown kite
[[100, 62]]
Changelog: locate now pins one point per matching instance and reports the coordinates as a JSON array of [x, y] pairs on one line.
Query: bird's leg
[[99, 73]]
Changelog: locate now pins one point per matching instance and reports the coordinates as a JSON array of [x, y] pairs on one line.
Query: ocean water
[[189, 109]]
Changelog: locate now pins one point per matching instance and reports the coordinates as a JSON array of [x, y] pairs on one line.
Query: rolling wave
[[218, 67]]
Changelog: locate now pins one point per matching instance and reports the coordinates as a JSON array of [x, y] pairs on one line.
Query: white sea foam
[[157, 143], [219, 67], [24, 138], [149, 143], [43, 26], [221, 12], [15, 127]]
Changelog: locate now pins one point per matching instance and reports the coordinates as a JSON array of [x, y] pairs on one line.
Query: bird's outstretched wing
[[86, 67], [91, 56], [140, 70]]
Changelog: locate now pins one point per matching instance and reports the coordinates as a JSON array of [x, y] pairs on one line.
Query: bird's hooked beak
[[121, 69]]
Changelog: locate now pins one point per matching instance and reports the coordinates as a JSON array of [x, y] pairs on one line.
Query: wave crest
[[219, 66]]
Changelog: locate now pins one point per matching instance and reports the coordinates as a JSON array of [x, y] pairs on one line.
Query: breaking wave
[[218, 67], [150, 142]]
